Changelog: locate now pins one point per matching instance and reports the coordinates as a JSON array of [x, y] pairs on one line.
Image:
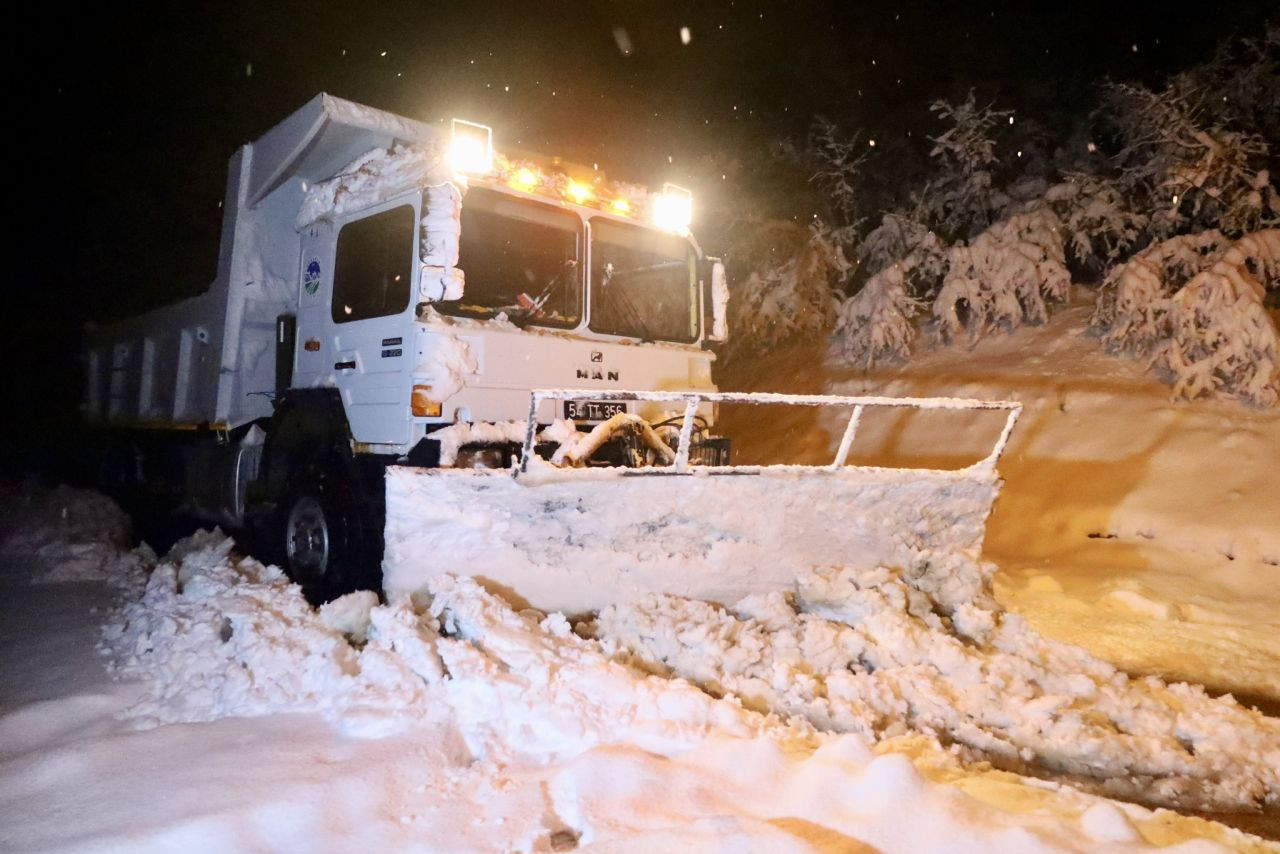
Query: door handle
[[344, 366]]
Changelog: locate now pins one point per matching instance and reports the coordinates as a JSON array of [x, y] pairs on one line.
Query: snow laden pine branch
[[876, 325], [1188, 162], [1195, 305], [790, 298], [1003, 278]]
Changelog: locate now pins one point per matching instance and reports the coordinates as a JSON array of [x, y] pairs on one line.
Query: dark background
[[136, 110]]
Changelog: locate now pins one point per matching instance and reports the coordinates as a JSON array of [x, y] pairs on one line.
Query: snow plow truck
[[422, 356]]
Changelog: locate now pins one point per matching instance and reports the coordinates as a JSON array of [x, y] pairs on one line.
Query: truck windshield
[[643, 283], [520, 258]]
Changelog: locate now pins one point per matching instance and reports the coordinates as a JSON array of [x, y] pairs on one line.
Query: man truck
[[381, 280]]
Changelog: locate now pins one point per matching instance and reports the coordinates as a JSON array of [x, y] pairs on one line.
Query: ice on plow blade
[[577, 539]]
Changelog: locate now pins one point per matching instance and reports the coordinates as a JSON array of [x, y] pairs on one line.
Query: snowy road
[[499, 733]]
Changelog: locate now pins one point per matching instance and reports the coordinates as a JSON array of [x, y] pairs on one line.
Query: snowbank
[[868, 652], [72, 535], [602, 751], [488, 729], [215, 634]]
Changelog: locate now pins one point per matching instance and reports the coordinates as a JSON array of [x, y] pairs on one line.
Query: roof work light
[[471, 147], [673, 208]]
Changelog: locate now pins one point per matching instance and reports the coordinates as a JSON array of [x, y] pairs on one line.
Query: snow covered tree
[[794, 293], [1006, 264], [836, 163], [1195, 160], [876, 324], [1188, 162], [1222, 339], [1003, 277], [1132, 312], [1195, 303], [961, 198], [1099, 223], [897, 238], [1244, 79], [986, 240]]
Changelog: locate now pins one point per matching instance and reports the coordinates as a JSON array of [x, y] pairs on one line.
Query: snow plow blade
[[576, 539]]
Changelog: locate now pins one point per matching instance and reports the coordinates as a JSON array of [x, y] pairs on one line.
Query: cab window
[[643, 283], [374, 267], [520, 258]]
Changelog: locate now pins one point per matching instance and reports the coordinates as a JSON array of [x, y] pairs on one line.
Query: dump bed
[[210, 360]]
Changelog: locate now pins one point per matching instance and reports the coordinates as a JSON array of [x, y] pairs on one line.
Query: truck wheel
[[307, 540], [325, 536]]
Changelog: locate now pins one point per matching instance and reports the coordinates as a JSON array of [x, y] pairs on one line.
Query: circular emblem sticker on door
[[311, 278]]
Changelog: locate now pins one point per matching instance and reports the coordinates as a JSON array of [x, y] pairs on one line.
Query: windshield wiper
[[623, 301]]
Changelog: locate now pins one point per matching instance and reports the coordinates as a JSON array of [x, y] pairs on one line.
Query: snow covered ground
[[248, 721], [196, 702]]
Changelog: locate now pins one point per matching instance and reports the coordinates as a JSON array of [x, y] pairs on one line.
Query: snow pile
[[453, 437], [641, 762], [441, 230], [1196, 303], [73, 535], [628, 757], [871, 652], [216, 634], [524, 688], [445, 362]]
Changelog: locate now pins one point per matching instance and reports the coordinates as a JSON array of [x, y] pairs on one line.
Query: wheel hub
[[307, 537]]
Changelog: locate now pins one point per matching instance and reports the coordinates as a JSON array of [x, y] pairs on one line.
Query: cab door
[[355, 319]]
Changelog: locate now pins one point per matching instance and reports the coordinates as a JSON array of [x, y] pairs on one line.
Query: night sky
[[139, 108]]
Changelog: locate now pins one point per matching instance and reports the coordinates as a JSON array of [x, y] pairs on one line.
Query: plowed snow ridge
[[863, 652]]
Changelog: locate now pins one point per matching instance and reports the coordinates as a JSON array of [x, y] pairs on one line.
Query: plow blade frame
[[574, 540]]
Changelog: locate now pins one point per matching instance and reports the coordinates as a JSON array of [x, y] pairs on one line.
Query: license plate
[[593, 410]]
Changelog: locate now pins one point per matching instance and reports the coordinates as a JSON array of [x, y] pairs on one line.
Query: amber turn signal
[[422, 404]]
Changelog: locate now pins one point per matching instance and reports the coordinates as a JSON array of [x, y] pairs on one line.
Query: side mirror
[[719, 302]]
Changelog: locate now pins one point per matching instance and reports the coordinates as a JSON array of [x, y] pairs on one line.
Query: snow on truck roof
[[322, 137], [329, 135]]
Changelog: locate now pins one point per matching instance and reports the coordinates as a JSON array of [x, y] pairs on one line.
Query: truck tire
[[325, 534]]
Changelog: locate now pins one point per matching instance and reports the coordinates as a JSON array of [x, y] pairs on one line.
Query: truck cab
[[555, 295]]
